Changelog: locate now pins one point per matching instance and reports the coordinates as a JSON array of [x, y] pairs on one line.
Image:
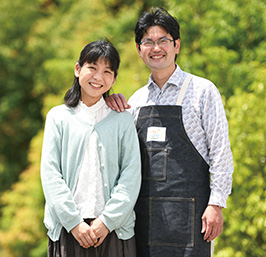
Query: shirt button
[[102, 165], [120, 234], [105, 184]]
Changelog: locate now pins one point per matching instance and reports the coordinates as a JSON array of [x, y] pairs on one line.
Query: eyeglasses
[[163, 42]]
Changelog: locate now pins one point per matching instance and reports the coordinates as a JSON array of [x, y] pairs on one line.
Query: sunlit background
[[40, 41]]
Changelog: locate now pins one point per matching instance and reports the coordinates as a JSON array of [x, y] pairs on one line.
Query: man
[[184, 142]]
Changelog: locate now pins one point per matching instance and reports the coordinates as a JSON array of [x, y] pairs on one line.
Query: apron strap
[[183, 89]]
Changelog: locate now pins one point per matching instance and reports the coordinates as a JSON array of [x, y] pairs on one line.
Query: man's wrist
[[215, 205]]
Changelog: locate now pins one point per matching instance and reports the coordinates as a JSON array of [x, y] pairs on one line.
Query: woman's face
[[95, 79]]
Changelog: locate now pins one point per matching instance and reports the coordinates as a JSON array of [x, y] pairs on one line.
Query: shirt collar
[[89, 114], [175, 79], [92, 108]]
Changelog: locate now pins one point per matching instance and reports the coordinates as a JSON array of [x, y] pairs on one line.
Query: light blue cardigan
[[64, 143]]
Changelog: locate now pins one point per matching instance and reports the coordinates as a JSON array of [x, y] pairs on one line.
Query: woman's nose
[[97, 75]]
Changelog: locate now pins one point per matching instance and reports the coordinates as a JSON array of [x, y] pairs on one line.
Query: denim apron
[[175, 185]]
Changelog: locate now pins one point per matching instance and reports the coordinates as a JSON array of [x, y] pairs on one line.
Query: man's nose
[[156, 46]]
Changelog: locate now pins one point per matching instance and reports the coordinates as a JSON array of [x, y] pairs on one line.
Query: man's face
[[158, 57]]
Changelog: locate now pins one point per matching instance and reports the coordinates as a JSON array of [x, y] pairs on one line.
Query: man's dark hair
[[158, 17]]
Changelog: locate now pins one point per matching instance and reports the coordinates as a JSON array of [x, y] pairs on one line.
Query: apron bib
[[175, 185]]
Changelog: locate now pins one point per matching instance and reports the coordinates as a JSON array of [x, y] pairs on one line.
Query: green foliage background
[[40, 40]]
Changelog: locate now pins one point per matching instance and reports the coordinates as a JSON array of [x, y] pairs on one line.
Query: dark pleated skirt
[[112, 246]]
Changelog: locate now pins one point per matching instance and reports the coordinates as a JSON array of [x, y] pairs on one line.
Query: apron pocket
[[155, 170], [172, 221]]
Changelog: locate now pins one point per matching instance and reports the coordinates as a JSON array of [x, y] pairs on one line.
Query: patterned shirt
[[204, 121]]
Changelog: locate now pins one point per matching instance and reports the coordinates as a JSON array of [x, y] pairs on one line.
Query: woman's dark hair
[[159, 17], [90, 54]]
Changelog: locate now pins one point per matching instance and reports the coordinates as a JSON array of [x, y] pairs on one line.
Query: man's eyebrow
[[149, 39], [163, 37]]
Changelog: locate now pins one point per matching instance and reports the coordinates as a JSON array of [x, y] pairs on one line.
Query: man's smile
[[157, 56]]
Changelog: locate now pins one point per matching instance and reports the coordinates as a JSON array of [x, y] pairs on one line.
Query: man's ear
[[177, 45], [138, 49], [77, 69]]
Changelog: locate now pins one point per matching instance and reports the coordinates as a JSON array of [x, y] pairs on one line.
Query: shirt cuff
[[218, 199], [70, 225], [107, 222]]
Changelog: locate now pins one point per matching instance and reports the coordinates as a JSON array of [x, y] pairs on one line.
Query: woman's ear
[[77, 69]]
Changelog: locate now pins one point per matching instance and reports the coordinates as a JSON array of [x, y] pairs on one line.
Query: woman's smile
[[95, 85]]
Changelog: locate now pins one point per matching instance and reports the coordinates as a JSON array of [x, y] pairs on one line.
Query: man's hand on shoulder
[[117, 102]]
